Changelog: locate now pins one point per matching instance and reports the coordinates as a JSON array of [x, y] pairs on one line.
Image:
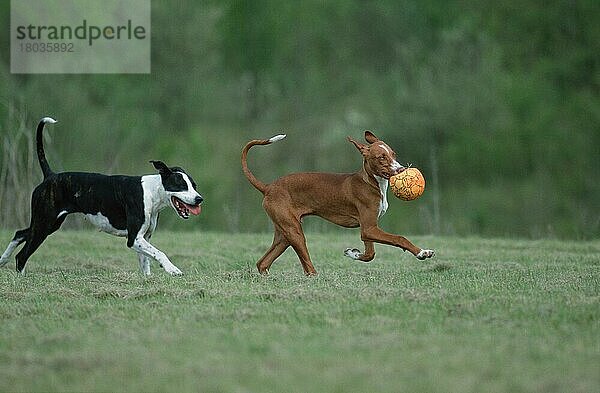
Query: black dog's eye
[[175, 183], [179, 182]]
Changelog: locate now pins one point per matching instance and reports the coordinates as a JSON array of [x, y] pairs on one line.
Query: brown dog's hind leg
[[278, 206], [291, 230], [279, 245], [298, 242], [367, 256]]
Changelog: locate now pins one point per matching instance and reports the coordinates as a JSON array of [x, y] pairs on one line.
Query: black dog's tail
[[40, 146]]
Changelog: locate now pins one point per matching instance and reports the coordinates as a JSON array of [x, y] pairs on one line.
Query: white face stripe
[[385, 148], [188, 196], [395, 165], [187, 180]]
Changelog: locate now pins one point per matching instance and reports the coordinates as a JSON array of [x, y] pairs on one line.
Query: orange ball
[[408, 185]]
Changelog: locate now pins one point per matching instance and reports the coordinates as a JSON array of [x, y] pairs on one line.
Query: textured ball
[[408, 185]]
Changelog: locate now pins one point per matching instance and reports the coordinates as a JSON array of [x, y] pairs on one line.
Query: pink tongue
[[195, 210]]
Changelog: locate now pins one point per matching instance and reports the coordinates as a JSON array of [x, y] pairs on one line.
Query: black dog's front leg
[[137, 241]]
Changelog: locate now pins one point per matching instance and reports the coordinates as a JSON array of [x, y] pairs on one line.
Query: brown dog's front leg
[[375, 234]]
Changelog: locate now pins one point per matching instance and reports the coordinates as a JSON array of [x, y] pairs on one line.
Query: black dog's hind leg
[[38, 232], [20, 237]]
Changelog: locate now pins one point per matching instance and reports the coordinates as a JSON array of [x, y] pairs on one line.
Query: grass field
[[483, 316]]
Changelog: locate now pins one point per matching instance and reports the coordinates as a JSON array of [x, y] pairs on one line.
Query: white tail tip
[[277, 138], [49, 120]]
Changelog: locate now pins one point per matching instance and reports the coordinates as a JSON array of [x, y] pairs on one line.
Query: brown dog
[[349, 200]]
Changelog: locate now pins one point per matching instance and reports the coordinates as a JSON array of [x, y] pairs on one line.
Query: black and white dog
[[125, 206]]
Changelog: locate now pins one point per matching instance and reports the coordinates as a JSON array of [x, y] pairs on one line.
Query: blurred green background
[[497, 102]]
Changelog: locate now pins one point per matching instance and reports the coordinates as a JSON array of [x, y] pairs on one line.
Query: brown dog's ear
[[370, 137], [363, 149]]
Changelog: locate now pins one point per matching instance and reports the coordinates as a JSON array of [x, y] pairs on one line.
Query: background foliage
[[497, 102]]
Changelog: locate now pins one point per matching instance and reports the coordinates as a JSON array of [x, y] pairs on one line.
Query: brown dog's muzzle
[[398, 170]]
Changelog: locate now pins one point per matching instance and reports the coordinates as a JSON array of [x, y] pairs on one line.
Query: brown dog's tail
[[260, 186]]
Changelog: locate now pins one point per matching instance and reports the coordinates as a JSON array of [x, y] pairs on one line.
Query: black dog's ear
[[162, 168], [370, 137]]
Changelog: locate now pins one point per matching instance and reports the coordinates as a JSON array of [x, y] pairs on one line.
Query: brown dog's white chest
[[383, 203]]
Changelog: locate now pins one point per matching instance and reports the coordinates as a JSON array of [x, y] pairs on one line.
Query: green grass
[[483, 316]]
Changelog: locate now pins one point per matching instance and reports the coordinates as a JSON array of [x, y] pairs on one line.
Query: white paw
[[173, 270], [352, 253], [3, 261], [424, 254]]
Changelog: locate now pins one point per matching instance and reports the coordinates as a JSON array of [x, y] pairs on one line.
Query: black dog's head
[[180, 188]]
